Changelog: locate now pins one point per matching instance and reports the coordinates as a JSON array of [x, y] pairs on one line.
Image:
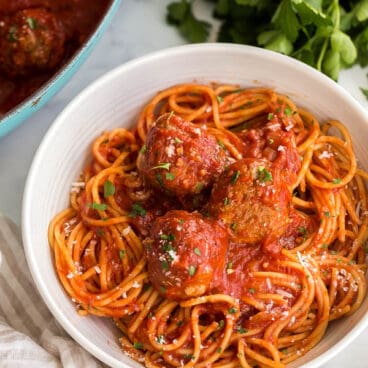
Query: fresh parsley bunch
[[326, 34]]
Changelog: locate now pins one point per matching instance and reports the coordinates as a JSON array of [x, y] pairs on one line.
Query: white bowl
[[114, 101]]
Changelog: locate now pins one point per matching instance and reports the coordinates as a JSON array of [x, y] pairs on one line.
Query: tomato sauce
[[37, 37]]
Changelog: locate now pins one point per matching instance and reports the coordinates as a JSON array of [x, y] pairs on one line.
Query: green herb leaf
[[177, 140], [143, 149], [336, 181], [192, 270], [235, 177], [164, 166], [169, 176], [98, 206], [197, 251], [12, 34], [109, 189], [302, 230], [221, 144], [32, 23], [241, 330], [160, 180], [365, 92], [232, 310], [164, 265], [137, 210], [252, 290], [263, 175], [180, 13], [122, 253], [138, 345], [221, 324], [286, 20], [220, 99]]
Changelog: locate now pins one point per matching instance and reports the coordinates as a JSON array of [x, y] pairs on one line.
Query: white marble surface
[[137, 29]]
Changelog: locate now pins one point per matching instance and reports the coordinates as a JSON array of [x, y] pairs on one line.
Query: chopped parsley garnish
[[170, 115], [12, 37], [169, 176], [221, 324], [235, 177], [324, 246], [220, 99], [137, 210], [163, 289], [336, 181], [138, 345], [302, 230], [192, 270], [143, 149], [199, 187], [161, 339], [160, 181], [100, 232], [169, 237], [109, 189], [179, 323], [98, 206], [32, 23], [229, 265], [252, 290], [218, 350], [197, 251], [122, 253], [327, 214], [288, 112], [221, 144], [270, 116], [263, 175], [164, 265], [241, 330], [146, 287], [163, 165], [177, 140], [270, 140], [226, 201], [232, 310], [233, 226], [285, 351], [189, 356]]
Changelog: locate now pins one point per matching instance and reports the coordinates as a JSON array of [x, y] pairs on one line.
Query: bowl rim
[[19, 113], [105, 79]]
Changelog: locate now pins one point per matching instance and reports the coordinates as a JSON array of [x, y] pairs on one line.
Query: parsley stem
[[322, 54]]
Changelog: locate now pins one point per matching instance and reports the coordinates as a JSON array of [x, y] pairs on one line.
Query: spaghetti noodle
[[272, 299]]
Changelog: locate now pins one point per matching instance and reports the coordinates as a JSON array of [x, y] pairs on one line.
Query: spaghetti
[[276, 292]]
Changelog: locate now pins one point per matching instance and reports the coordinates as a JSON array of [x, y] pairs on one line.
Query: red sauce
[[37, 37]]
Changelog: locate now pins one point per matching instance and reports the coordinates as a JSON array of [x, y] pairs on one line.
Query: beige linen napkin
[[30, 337]]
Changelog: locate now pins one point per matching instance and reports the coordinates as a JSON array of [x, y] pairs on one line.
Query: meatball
[[276, 145], [252, 200], [184, 252], [30, 40], [181, 157]]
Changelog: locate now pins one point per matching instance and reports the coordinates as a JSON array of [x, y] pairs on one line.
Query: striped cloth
[[30, 337]]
